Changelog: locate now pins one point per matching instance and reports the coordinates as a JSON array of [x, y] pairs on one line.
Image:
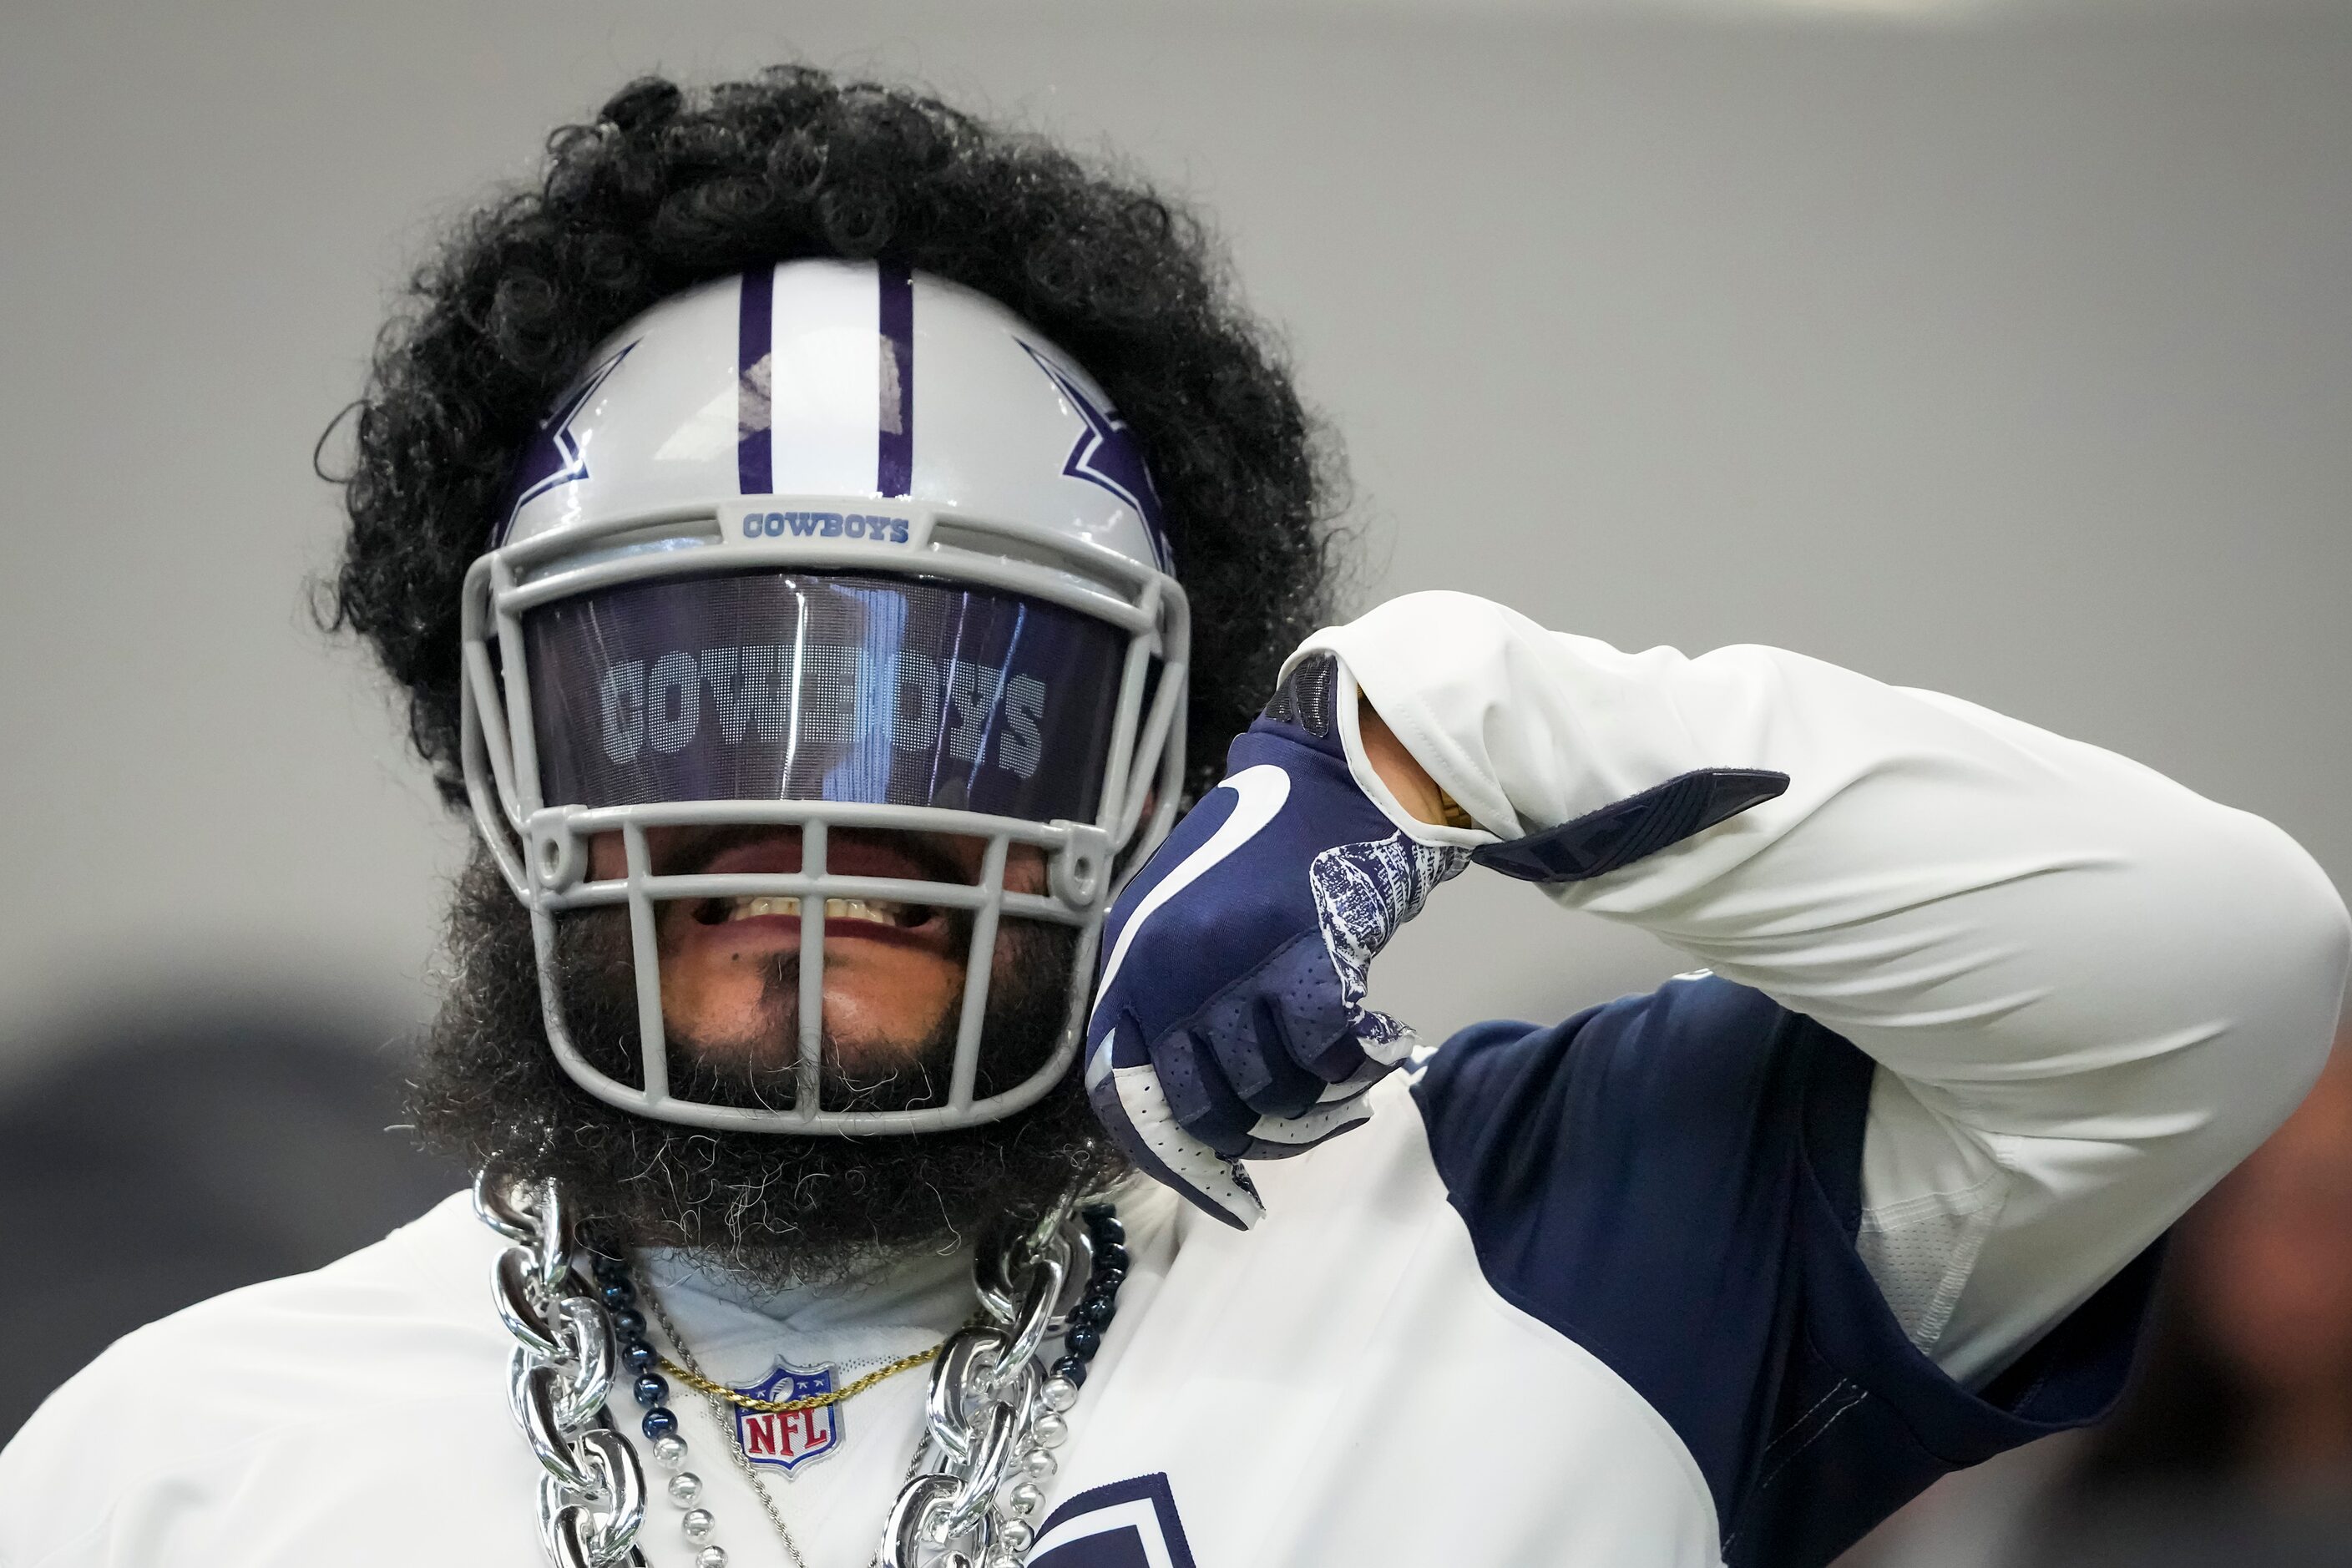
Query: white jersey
[[1718, 1275]]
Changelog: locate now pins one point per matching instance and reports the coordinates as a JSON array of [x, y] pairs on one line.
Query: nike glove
[[1228, 1019]]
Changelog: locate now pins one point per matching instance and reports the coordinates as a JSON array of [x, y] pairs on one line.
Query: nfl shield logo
[[788, 1439]]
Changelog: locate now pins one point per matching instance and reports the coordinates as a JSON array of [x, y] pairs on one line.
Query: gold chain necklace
[[703, 1385]]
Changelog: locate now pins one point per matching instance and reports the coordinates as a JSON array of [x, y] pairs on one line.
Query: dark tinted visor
[[775, 686]]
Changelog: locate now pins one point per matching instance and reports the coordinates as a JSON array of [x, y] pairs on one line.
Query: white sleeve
[[2089, 991]]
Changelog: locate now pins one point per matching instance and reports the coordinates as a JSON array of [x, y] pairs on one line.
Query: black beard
[[768, 1209]]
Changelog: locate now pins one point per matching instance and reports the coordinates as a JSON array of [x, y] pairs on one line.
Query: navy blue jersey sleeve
[[1673, 1181]]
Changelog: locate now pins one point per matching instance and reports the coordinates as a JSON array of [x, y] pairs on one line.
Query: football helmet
[[838, 547]]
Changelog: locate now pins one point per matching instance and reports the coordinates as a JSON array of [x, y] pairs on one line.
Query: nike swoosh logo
[[1262, 789]]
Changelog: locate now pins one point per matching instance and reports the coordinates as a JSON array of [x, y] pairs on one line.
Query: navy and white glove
[[1228, 1019]]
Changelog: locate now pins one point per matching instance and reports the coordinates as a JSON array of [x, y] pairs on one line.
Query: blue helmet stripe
[[894, 469], [755, 441]]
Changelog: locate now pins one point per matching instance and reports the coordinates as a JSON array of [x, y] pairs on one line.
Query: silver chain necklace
[[992, 1416], [592, 1489]]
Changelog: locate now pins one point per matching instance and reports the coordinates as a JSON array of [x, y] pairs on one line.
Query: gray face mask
[[824, 708]]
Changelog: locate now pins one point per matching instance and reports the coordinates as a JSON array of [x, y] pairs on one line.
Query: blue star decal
[[554, 457], [1107, 455]]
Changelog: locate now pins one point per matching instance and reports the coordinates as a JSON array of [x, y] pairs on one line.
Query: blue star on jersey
[[1122, 1525]]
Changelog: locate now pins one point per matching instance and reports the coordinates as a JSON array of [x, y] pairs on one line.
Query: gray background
[[1999, 348]]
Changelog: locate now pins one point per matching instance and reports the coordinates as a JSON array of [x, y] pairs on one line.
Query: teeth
[[781, 904], [876, 910]]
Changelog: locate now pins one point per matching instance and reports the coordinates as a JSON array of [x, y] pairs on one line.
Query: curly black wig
[[667, 188]]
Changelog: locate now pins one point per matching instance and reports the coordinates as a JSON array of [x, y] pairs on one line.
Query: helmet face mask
[[946, 611]]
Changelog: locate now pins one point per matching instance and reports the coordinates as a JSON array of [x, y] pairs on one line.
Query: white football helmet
[[832, 546]]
